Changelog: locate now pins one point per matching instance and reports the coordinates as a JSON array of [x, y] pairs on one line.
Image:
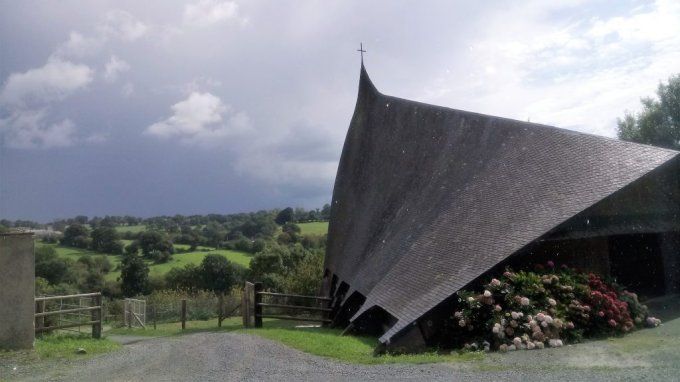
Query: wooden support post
[[96, 315], [220, 313], [258, 307], [153, 312], [127, 319], [184, 314], [40, 320], [244, 306]]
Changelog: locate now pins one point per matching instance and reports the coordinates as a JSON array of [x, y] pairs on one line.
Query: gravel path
[[243, 357]]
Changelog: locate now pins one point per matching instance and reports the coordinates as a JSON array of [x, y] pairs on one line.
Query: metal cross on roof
[[361, 49]]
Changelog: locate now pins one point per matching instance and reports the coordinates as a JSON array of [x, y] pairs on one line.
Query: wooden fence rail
[[259, 313], [95, 318]]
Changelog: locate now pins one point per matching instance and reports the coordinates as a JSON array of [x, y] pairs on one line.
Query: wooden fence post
[[96, 315], [126, 314], [153, 312], [244, 305], [258, 307], [184, 314], [40, 308], [220, 314]]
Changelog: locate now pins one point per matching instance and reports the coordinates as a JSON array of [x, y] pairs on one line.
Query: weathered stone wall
[[17, 291]]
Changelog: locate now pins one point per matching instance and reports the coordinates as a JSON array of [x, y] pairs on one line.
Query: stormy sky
[[162, 107]]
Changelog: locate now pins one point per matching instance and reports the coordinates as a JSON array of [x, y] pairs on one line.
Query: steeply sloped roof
[[428, 198]]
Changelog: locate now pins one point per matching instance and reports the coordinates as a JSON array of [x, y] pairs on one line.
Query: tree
[[291, 228], [326, 212], [155, 245], [80, 219], [50, 267], [134, 274], [217, 274], [132, 248], [105, 239], [284, 216], [76, 235], [306, 277], [658, 123], [187, 278]]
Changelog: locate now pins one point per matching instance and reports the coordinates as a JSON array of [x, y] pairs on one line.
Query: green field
[[131, 228], [177, 259], [181, 259], [313, 228]]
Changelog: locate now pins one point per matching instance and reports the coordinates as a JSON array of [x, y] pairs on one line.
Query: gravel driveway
[[244, 357]]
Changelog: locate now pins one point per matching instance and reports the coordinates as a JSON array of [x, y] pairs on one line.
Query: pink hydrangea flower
[[555, 343], [495, 282], [487, 293], [517, 342], [552, 302], [524, 301]]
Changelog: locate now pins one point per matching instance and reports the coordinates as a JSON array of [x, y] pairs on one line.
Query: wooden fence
[[286, 306], [68, 313]]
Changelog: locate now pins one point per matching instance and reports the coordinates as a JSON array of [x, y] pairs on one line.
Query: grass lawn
[[64, 346], [60, 346], [51, 352], [314, 228], [323, 342], [155, 270]]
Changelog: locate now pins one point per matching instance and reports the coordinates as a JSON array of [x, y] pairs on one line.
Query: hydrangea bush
[[547, 307]]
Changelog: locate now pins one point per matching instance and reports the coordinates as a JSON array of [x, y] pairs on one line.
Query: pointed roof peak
[[365, 83]]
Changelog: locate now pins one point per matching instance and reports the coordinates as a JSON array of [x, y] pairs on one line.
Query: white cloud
[[208, 12], [79, 46], [201, 119], [26, 129], [117, 24], [122, 25], [578, 75], [114, 67], [53, 81], [97, 138]]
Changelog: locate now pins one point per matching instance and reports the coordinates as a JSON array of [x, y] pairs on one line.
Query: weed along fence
[[69, 312], [284, 306]]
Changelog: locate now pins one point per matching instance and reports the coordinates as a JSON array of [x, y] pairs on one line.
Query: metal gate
[[134, 313]]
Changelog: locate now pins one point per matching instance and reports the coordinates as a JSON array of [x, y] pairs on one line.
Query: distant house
[[429, 200]]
